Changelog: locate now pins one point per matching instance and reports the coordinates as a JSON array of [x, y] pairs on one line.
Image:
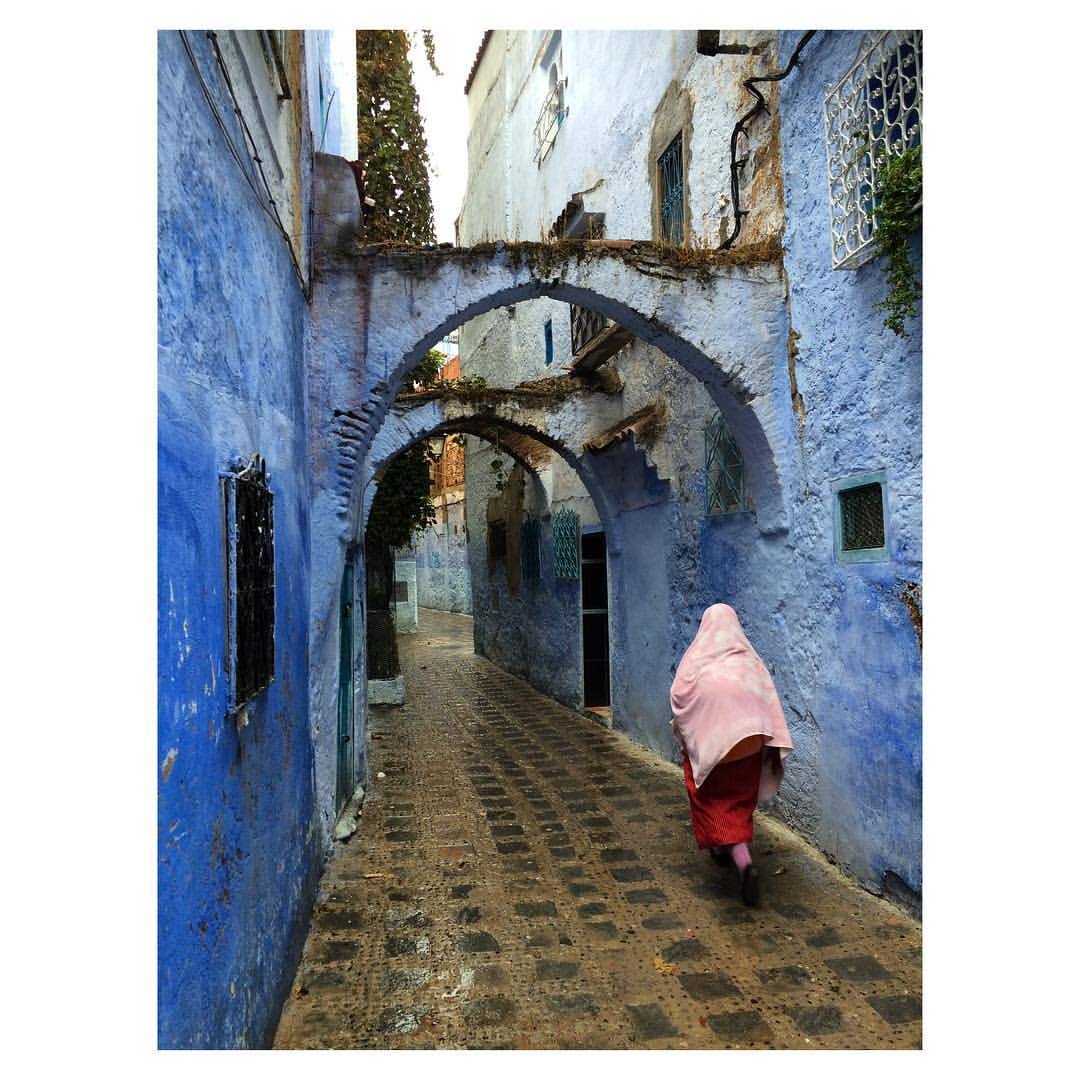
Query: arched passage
[[741, 388], [378, 312], [406, 427]]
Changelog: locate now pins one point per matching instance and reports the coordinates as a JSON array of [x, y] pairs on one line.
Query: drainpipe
[[742, 123]]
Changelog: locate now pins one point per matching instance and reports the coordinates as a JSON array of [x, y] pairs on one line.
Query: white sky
[[443, 106]]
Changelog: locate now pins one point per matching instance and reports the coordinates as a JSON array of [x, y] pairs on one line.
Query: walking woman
[[730, 723]]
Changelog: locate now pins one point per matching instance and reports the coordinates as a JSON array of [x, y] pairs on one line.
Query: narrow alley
[[526, 879]]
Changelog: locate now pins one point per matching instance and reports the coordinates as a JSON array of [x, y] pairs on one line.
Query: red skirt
[[722, 809]]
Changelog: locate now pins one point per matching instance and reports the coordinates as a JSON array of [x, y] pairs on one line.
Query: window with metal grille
[[496, 540], [530, 549], [566, 544], [725, 475], [249, 531], [875, 109], [584, 326], [670, 169], [860, 518], [553, 112]]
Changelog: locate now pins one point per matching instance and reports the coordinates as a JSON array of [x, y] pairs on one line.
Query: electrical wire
[[744, 120]]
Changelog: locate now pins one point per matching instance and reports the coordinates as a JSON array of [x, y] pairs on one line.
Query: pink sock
[[740, 853]]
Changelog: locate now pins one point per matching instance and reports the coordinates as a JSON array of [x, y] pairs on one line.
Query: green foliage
[[391, 145], [425, 373], [466, 383], [429, 49], [898, 213], [402, 505]]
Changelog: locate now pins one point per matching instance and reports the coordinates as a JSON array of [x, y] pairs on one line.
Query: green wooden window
[[566, 544], [725, 474]]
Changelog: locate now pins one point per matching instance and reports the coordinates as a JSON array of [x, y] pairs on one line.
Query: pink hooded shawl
[[723, 694]]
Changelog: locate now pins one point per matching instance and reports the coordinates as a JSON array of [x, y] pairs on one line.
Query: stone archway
[[378, 311], [722, 316], [547, 428]]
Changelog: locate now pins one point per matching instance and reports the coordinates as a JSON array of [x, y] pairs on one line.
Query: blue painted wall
[[862, 389], [238, 852], [533, 631], [442, 564]]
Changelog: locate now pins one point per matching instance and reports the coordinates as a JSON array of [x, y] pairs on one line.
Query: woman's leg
[[740, 855]]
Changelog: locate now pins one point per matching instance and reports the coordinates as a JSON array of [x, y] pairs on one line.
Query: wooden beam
[[599, 348]]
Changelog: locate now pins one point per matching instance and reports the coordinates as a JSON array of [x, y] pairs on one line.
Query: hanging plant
[[897, 214], [429, 49], [402, 505]]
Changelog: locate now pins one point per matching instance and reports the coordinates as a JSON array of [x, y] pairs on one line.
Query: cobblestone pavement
[[524, 878]]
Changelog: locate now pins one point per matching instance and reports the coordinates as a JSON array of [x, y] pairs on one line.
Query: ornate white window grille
[[876, 107], [552, 113]]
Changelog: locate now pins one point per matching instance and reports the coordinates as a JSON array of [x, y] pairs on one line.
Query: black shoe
[[750, 886], [720, 856]]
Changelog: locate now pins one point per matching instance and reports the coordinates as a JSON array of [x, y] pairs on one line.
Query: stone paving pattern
[[523, 878]]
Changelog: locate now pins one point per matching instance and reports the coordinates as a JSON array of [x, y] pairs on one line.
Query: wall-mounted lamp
[[436, 446]]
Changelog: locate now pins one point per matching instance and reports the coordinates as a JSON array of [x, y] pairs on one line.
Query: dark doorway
[[346, 731], [594, 619]]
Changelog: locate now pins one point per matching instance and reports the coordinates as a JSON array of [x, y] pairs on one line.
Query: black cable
[[743, 121], [220, 121]]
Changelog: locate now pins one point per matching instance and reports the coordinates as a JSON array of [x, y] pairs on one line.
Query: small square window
[[249, 595], [859, 518]]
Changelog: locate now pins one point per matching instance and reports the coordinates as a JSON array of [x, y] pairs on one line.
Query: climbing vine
[[391, 145], [402, 505], [394, 163], [429, 49], [897, 214]]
